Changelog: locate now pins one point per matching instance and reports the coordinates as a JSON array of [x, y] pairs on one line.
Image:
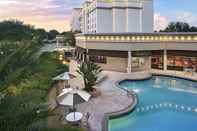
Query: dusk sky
[[55, 14]]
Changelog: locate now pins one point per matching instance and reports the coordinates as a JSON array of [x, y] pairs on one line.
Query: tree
[[89, 72], [40, 34], [179, 27], [52, 34], [14, 30], [193, 29], [69, 38]]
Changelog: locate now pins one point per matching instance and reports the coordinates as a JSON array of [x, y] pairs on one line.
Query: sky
[[55, 14]]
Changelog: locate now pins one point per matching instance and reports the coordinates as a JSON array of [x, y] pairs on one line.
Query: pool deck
[[113, 100]]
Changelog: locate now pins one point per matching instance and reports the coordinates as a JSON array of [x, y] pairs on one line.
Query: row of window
[[98, 59], [178, 63]]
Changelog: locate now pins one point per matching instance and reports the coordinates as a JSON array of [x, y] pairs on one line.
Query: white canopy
[[64, 76], [71, 97]]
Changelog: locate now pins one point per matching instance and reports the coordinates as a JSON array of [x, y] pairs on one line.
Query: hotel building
[[132, 46], [117, 16], [75, 22]]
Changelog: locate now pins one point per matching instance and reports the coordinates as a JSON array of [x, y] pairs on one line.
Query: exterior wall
[[133, 20], [180, 50], [104, 21], [117, 16], [147, 16], [115, 64], [125, 46], [119, 20]]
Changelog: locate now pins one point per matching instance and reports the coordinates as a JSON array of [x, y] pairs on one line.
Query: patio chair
[[67, 86], [84, 122]]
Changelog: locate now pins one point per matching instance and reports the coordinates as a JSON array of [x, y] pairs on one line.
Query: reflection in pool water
[[165, 104]]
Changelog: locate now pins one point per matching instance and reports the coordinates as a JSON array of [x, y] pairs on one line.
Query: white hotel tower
[[117, 16]]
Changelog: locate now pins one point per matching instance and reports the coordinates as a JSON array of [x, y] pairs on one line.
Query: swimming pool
[[165, 104]]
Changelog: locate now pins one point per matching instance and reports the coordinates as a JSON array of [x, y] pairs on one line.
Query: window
[[157, 62], [98, 59], [179, 63]]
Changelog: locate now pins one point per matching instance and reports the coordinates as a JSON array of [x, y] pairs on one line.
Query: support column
[[129, 61], [165, 59], [87, 56], [83, 57]]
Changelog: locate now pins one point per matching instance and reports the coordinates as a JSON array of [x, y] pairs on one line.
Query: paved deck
[[112, 99]]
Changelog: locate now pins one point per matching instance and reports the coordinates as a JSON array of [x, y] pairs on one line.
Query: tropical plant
[[89, 72]]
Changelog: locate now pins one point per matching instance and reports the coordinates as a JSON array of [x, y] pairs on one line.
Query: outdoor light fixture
[[133, 38], [160, 38], [189, 38], [170, 38], [128, 38], [97, 38], [112, 38], [122, 38], [60, 58], [64, 62], [176, 38], [107, 38], [143, 38], [117, 38], [147, 38], [182, 38]]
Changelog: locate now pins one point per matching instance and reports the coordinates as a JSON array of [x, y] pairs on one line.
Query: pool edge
[[131, 107]]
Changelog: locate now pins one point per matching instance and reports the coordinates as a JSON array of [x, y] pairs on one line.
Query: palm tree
[[89, 72]]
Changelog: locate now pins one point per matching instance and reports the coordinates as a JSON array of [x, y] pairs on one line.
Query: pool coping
[[125, 111], [120, 113], [174, 76], [131, 107]]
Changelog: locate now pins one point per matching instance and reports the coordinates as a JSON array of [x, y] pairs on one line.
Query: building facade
[[118, 36], [76, 20], [117, 16], [131, 52]]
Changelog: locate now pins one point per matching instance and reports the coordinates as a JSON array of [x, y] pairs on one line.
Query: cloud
[[187, 17], [160, 22], [49, 14]]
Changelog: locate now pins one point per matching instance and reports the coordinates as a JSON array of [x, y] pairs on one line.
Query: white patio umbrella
[[72, 97], [64, 76]]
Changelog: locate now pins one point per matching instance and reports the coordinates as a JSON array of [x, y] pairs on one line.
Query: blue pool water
[[165, 104]]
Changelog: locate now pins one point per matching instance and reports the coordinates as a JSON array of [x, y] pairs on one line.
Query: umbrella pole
[[74, 110]]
